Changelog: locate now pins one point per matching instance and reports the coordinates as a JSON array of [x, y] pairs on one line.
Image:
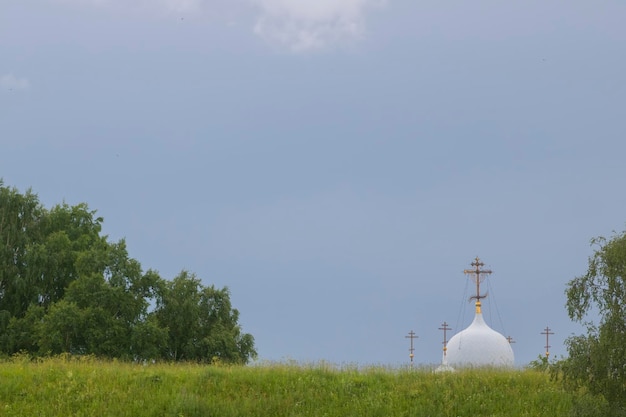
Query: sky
[[336, 164]]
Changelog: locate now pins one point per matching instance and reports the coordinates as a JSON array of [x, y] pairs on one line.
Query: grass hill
[[89, 387]]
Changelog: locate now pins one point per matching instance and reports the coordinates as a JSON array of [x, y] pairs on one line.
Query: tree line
[[595, 367], [65, 288], [596, 364]]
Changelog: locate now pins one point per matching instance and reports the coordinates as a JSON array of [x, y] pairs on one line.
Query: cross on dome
[[478, 276], [478, 344]]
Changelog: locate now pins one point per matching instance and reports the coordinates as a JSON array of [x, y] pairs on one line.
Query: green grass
[[90, 387]]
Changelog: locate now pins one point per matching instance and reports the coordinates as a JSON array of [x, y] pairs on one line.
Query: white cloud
[[176, 6], [303, 25], [11, 82], [298, 25]]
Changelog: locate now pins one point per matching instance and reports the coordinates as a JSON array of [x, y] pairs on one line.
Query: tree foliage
[[20, 216], [65, 288], [201, 322], [597, 360]]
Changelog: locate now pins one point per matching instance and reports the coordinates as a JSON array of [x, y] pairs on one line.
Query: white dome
[[479, 345]]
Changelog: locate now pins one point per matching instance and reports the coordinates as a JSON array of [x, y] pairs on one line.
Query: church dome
[[479, 345]]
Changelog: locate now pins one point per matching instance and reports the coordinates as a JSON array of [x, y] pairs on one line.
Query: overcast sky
[[336, 163]]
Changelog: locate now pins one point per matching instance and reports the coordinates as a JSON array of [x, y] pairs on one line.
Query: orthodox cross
[[547, 332], [445, 329], [411, 336], [478, 276], [510, 339]]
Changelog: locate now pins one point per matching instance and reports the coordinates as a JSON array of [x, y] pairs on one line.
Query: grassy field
[[90, 387]]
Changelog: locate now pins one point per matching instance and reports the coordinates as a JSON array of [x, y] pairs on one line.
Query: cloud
[[175, 6], [11, 82], [304, 25], [298, 25]]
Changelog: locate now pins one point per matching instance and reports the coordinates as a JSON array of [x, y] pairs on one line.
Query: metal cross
[[411, 336], [547, 332], [445, 329], [478, 276]]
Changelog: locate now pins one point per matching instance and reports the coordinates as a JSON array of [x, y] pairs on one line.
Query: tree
[[22, 334], [62, 329], [113, 304], [20, 216], [65, 288], [68, 234], [219, 328], [40, 249], [597, 360], [201, 323]]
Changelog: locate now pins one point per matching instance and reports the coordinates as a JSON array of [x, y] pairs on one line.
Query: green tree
[[202, 325], [221, 334], [67, 234], [20, 216], [62, 329], [39, 249], [22, 333], [597, 360], [113, 303], [65, 288]]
